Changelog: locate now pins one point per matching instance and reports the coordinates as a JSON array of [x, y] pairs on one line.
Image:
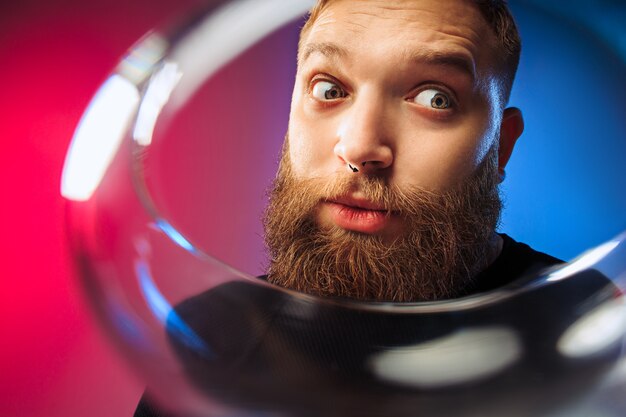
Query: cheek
[[300, 145], [440, 158], [310, 145], [306, 151], [300, 153]]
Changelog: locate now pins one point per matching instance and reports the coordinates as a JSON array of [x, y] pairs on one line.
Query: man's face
[[404, 93], [408, 89]]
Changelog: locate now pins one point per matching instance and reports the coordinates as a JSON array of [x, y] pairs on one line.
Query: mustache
[[403, 201]]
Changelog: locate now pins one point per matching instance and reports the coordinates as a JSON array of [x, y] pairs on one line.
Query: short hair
[[495, 12]]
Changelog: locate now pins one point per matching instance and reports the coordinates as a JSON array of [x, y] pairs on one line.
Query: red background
[[54, 361]]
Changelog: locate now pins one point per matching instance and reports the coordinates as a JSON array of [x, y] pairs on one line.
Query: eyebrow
[[458, 61], [330, 50]]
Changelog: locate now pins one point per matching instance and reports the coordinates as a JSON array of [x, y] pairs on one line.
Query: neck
[[495, 248]]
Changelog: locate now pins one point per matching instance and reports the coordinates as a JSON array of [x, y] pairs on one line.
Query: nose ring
[[353, 168]]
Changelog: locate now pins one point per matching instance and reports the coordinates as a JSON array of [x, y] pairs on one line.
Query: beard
[[447, 237]]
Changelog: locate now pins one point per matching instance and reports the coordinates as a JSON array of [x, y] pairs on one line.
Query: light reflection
[[98, 137], [173, 234], [164, 312], [464, 356], [139, 63], [157, 94], [586, 260], [596, 331], [245, 21]]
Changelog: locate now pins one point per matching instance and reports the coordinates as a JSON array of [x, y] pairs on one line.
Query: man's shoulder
[[525, 254], [517, 260]]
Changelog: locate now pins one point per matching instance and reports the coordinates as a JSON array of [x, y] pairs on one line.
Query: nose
[[364, 136]]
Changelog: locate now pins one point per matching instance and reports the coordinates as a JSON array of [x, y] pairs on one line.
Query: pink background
[[54, 361]]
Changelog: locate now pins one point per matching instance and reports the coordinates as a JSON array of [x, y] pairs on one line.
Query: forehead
[[404, 26]]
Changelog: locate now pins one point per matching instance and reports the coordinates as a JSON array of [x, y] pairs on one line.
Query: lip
[[358, 215], [358, 203]]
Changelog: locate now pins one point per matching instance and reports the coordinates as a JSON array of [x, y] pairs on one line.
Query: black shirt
[[517, 260]]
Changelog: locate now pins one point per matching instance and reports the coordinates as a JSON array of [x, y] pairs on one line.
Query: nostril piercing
[[354, 169]]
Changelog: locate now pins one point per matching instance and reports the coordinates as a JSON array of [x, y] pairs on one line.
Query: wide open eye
[[326, 90], [433, 98]]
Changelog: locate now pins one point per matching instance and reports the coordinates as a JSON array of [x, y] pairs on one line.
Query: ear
[[511, 129]]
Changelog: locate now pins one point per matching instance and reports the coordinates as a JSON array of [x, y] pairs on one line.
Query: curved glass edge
[[566, 327], [157, 71], [147, 80]]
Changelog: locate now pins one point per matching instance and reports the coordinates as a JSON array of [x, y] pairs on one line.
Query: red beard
[[446, 238]]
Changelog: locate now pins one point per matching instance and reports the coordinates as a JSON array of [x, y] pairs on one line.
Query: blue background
[[565, 184]]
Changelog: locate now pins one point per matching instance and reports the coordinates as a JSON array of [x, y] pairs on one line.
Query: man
[[387, 191], [398, 138]]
